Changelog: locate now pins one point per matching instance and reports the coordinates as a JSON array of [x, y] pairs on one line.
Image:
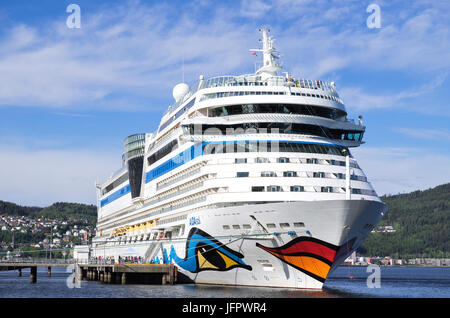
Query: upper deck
[[251, 80]]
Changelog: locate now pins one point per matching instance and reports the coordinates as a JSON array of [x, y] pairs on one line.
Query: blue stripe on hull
[[197, 150], [118, 194]]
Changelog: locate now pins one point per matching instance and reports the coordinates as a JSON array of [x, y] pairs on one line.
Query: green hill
[[58, 210], [11, 209], [422, 223]]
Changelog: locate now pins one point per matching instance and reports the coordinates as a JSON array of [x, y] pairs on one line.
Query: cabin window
[[261, 160], [274, 188], [297, 188], [326, 189], [268, 174], [257, 189]]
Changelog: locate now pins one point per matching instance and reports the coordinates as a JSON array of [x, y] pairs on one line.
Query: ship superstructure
[[248, 180]]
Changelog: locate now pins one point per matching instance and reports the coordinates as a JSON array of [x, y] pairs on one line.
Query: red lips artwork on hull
[[308, 255]]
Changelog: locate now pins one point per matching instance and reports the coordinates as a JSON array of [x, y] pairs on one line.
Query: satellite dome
[[179, 91]]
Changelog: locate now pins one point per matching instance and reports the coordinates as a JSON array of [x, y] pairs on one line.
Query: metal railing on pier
[[20, 260], [95, 262]]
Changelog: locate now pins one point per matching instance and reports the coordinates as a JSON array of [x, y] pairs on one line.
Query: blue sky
[[68, 97]]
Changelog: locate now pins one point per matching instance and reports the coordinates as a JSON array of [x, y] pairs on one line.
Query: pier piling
[[128, 273], [33, 274]]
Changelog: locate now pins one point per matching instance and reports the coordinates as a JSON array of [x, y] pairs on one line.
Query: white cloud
[[254, 8], [356, 98], [417, 43], [135, 50], [399, 170], [43, 177], [428, 134], [19, 37]]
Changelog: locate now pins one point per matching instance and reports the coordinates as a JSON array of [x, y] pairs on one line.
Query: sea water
[[346, 281]]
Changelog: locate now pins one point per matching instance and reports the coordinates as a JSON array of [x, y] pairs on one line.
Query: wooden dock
[[106, 273], [19, 265], [128, 273]]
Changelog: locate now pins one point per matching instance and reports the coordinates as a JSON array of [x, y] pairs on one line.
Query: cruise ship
[[249, 180]]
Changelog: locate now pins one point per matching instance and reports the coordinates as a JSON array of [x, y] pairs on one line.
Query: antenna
[[182, 70], [270, 67]]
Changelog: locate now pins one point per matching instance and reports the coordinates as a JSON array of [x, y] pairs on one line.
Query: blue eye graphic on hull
[[203, 252]]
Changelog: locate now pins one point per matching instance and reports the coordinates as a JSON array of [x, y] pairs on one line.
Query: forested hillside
[[58, 210], [421, 220]]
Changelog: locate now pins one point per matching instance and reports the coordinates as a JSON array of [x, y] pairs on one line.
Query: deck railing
[[36, 260], [254, 80]]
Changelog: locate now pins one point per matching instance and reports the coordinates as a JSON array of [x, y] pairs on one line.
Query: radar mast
[[270, 66]]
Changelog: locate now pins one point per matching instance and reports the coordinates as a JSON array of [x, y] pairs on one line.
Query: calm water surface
[[423, 282]]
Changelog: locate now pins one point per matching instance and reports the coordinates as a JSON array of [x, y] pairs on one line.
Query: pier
[[33, 264], [128, 273], [108, 273]]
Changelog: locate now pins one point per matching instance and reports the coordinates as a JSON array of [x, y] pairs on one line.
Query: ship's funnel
[[134, 157]]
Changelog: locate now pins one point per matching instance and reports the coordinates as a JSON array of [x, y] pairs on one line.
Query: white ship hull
[[291, 257]]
